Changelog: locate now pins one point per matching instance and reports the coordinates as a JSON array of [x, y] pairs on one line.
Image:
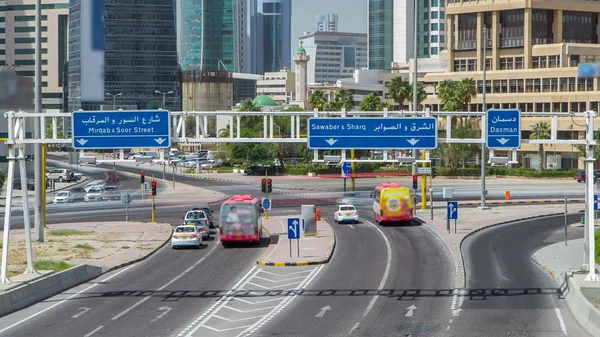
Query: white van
[[188, 157]]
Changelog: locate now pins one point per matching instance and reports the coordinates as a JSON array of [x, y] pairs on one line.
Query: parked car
[[259, 170], [186, 236], [60, 175], [63, 197]]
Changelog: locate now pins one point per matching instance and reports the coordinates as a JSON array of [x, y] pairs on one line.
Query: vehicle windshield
[[195, 215], [185, 229], [62, 194], [94, 190], [239, 218], [347, 208]]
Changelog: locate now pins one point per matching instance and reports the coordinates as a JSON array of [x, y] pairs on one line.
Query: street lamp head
[[119, 94], [158, 92], [170, 92], [108, 94]]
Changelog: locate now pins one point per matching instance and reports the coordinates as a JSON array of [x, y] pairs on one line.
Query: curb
[[524, 202], [329, 253]]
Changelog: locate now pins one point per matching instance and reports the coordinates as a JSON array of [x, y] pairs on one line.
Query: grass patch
[[85, 246], [56, 265], [63, 250], [125, 247], [66, 232]]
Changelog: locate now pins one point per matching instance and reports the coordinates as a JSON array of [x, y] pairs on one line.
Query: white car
[[195, 215], [186, 236], [63, 197], [94, 194], [201, 226], [345, 213]]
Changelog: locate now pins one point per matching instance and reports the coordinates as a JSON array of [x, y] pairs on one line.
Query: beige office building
[[17, 43], [533, 50], [280, 85]]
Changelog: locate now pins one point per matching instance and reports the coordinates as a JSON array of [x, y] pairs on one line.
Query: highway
[[507, 294], [382, 281]]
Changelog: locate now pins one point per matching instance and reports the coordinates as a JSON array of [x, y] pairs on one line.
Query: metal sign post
[[566, 211]]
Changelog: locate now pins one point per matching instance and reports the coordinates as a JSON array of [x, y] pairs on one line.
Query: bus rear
[[392, 203], [240, 220]]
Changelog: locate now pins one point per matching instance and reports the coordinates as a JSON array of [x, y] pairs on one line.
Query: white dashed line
[[386, 273]]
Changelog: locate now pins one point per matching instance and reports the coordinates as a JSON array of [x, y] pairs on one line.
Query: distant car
[[202, 227], [345, 213], [60, 175], [258, 170], [111, 195], [94, 194], [30, 184], [207, 211], [77, 192], [195, 215], [63, 197], [580, 176], [186, 236]]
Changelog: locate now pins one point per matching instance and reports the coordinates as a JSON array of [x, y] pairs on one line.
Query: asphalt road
[[507, 294], [377, 274]]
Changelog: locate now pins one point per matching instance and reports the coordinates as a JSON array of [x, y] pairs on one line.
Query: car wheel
[[60, 179]]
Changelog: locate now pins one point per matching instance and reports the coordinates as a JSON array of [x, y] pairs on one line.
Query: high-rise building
[[17, 45], [271, 30], [140, 55], [327, 22], [391, 30], [334, 55]]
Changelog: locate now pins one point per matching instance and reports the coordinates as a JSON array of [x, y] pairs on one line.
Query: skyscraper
[[140, 55], [271, 30], [391, 30], [327, 22]]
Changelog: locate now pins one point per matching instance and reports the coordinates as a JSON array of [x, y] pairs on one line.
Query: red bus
[[240, 220], [392, 202]]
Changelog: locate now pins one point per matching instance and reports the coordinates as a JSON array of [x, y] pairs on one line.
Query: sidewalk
[[313, 250], [471, 220]]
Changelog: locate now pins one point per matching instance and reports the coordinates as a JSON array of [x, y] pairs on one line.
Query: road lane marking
[[353, 328], [166, 311], [94, 331], [386, 273], [168, 283], [563, 327], [83, 311], [65, 300]]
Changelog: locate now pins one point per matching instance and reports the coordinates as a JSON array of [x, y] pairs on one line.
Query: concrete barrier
[[43, 288], [584, 312]]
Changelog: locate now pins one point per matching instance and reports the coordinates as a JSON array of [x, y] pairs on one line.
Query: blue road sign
[[121, 129], [588, 70], [266, 204], [452, 210], [503, 129], [293, 228], [346, 169], [595, 202], [372, 133]]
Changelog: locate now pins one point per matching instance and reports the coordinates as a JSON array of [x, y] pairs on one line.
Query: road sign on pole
[[452, 211], [121, 129], [266, 203], [503, 129], [595, 202], [346, 169], [293, 228], [372, 133]]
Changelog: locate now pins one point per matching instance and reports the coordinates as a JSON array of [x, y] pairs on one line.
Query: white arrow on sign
[[331, 141], [413, 141], [82, 141], [160, 140], [503, 140], [293, 228], [323, 311], [166, 311], [410, 309]]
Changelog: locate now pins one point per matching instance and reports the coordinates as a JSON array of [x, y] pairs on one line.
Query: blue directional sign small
[[293, 228], [121, 129], [372, 133], [452, 210], [266, 203], [346, 169], [503, 129], [595, 202]]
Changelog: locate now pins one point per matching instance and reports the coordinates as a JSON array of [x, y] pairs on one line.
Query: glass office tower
[[140, 55], [381, 35], [271, 30]]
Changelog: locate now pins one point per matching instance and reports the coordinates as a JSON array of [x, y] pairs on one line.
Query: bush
[[55, 265]]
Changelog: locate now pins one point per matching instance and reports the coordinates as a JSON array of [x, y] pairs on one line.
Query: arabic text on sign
[[502, 120]]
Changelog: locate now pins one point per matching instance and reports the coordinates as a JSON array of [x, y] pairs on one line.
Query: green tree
[[317, 100], [421, 94], [456, 95], [458, 154], [345, 99], [540, 130], [398, 90], [371, 102], [249, 105]]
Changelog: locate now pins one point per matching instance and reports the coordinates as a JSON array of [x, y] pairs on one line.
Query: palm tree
[[345, 99], [398, 89], [317, 100], [541, 130], [249, 105], [371, 102], [467, 90], [421, 94]]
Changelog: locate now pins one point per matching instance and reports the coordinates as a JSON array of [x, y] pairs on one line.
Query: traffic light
[[142, 178], [269, 185], [415, 182], [263, 185], [433, 173], [154, 188]]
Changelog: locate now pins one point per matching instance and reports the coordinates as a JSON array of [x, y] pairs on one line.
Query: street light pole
[[415, 74], [164, 95], [114, 98], [484, 92]]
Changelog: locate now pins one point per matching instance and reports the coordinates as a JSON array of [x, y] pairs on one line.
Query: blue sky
[[352, 16]]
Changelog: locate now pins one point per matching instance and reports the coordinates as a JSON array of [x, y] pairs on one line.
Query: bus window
[[237, 219]]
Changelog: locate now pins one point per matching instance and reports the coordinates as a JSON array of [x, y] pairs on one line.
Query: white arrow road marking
[[323, 311], [82, 141], [410, 309], [84, 310], [331, 141], [158, 140], [413, 141], [503, 140], [456, 312], [166, 311]]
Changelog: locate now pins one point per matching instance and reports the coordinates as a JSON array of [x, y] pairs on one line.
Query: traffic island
[[305, 251]]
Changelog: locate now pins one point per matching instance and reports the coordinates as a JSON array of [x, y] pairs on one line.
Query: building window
[[442, 38], [519, 62], [434, 51], [29, 29], [572, 84], [460, 65], [507, 63], [541, 29], [434, 27], [488, 64], [21, 18], [516, 86], [546, 85], [529, 85], [434, 38], [564, 84], [537, 85], [29, 39], [29, 51], [580, 27], [553, 61], [434, 14], [554, 84], [442, 15], [512, 31], [573, 60], [472, 65]]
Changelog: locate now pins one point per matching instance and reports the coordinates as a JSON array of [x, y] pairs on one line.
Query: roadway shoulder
[[313, 250]]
